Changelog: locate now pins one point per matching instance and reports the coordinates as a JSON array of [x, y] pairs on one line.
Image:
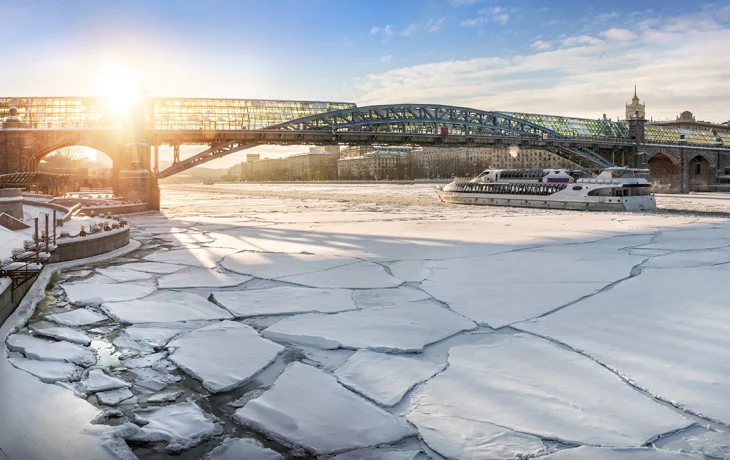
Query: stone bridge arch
[[664, 173], [682, 168]]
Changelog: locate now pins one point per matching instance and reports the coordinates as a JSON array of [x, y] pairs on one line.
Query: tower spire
[[634, 89]]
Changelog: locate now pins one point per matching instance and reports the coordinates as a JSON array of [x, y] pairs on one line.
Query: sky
[[578, 58]]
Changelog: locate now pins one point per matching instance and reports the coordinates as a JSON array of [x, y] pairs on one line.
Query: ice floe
[[307, 407], [242, 449], [285, 300], [598, 453], [114, 397], [377, 454], [200, 277], [153, 379], [97, 380], [697, 440], [163, 307], [60, 333], [501, 289], [223, 355], [387, 297], [463, 439], [48, 371], [163, 397], [405, 328], [96, 292], [533, 386], [182, 426], [196, 257], [157, 268], [411, 271], [46, 350], [123, 274], [78, 317], [147, 338], [384, 378], [276, 265], [668, 331], [364, 275]]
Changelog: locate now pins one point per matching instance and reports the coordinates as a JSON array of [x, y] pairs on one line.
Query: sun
[[120, 87]]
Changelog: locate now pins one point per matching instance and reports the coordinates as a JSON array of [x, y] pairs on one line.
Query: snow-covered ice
[[464, 439], [165, 306], [78, 317], [95, 291], [97, 380], [68, 334], [46, 350], [114, 397], [405, 328], [48, 371], [148, 337], [242, 449], [144, 361], [200, 277], [598, 453], [698, 440], [671, 338], [157, 268], [276, 265], [123, 274], [307, 407], [384, 378], [223, 355], [196, 257], [532, 386], [164, 397], [364, 275], [411, 271], [285, 300], [182, 426], [387, 297]]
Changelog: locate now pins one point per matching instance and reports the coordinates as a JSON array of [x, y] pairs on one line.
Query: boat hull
[[598, 203]]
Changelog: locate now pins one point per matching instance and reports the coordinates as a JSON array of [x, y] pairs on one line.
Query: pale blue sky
[[578, 58]]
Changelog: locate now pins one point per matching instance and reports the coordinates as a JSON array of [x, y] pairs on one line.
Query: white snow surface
[[532, 386], [46, 350], [377, 454], [48, 371], [364, 275], [196, 257], [182, 426], [95, 290], [458, 438], [242, 449], [78, 317], [200, 277], [157, 268], [97, 380], [406, 328], [285, 300], [671, 339], [165, 306], [307, 407], [60, 333], [598, 453], [223, 355], [387, 297], [384, 378]]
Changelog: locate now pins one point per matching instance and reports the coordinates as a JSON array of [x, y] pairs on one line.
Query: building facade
[[635, 108], [269, 169], [312, 166], [514, 158], [376, 165], [445, 162]]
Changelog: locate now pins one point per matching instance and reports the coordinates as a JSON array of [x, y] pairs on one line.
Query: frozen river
[[369, 321]]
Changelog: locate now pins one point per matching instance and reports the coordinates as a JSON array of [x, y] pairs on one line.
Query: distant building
[[376, 165], [686, 120], [269, 169], [445, 162], [635, 108], [312, 166], [511, 158], [355, 150], [333, 149], [251, 157]]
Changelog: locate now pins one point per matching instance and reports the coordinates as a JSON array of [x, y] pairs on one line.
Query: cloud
[[580, 76], [386, 58], [433, 26], [385, 32], [496, 14], [375, 30], [618, 34], [540, 45], [458, 3], [410, 29], [388, 31]]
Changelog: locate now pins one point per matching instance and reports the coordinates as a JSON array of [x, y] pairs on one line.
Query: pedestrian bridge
[[36, 126]]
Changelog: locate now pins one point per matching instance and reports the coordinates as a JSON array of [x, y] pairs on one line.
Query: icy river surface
[[369, 321]]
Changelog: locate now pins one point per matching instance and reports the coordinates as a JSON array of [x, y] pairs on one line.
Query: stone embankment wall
[[9, 300], [11, 202]]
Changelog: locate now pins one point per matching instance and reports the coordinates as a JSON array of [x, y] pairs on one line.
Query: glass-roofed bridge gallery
[[229, 125]]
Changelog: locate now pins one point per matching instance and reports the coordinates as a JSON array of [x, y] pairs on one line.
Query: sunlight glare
[[120, 87]]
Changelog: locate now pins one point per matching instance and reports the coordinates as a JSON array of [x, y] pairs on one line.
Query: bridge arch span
[[664, 172]]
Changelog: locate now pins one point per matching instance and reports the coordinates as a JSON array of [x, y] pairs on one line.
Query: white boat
[[614, 189]]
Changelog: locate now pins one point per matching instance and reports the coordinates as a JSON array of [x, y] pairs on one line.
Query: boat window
[[577, 187]]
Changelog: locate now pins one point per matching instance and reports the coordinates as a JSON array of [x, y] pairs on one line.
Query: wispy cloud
[[386, 32], [464, 2], [386, 58], [410, 29], [433, 26], [581, 75], [375, 30], [496, 14]]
